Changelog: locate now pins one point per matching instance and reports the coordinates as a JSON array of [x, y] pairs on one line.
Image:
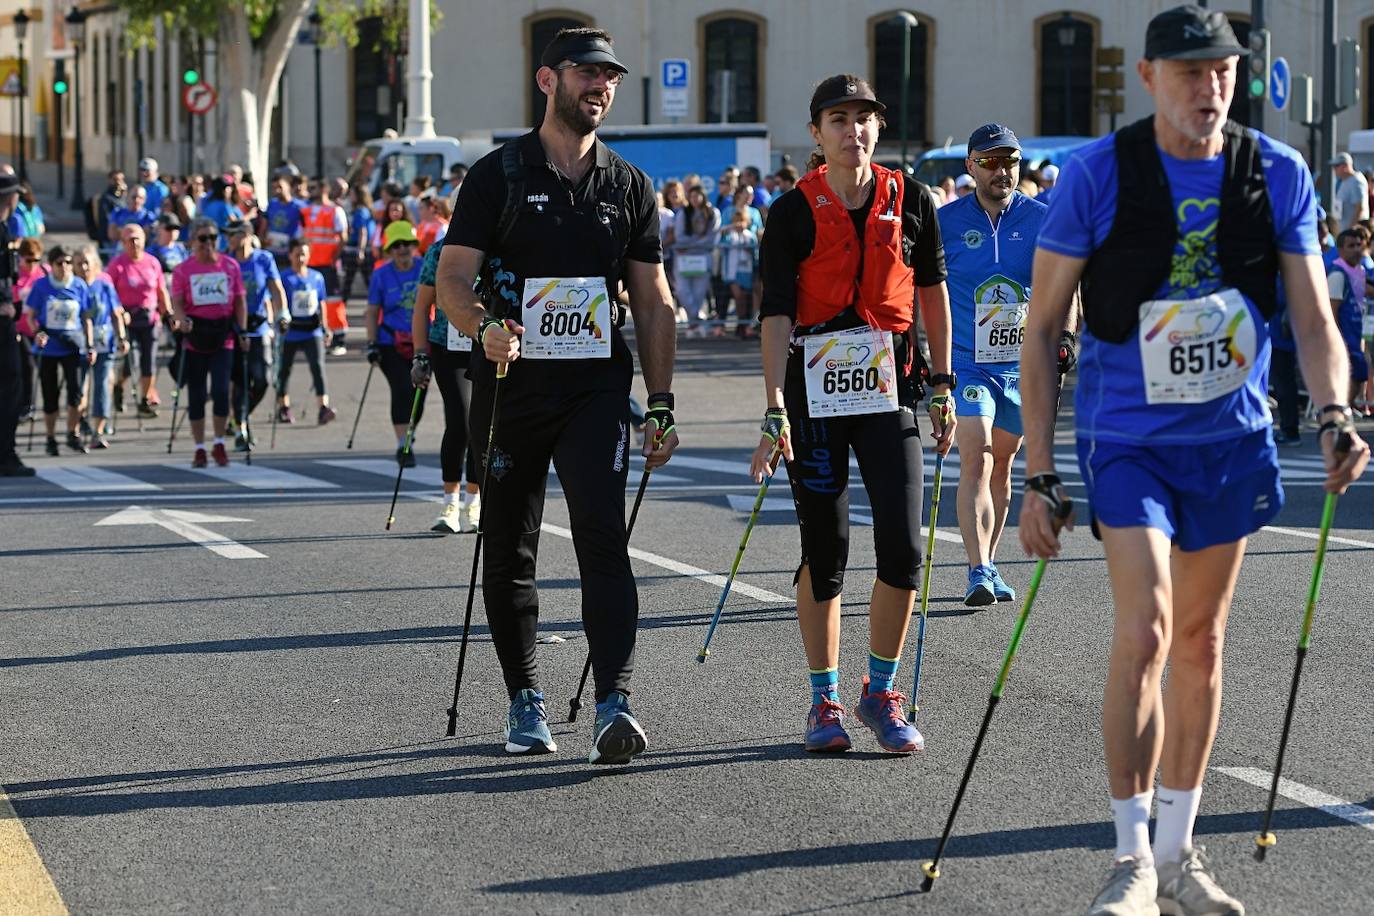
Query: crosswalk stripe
[[78, 479], [386, 467], [25, 885], [258, 477]]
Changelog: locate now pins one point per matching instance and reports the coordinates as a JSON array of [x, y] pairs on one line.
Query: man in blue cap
[[990, 238]]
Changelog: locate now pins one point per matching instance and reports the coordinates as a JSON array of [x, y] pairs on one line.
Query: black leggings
[[71, 374], [313, 349], [450, 374], [888, 448], [143, 349], [396, 368], [217, 365], [587, 437], [256, 354]]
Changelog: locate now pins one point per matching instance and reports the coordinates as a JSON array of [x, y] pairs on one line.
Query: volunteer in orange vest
[[848, 254], [324, 225]]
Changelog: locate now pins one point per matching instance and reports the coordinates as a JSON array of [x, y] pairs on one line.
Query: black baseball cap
[[9, 184], [841, 90], [992, 136], [1190, 32], [581, 49]]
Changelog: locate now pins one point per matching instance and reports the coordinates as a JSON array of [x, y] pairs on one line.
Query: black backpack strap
[[515, 184]]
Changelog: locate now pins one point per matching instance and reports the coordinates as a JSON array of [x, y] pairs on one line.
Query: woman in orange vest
[[847, 255]]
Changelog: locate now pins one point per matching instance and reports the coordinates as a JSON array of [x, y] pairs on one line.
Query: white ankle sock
[[450, 498], [1132, 817], [219, 440], [1174, 826]]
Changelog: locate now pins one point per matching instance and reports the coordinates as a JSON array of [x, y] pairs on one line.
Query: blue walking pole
[[915, 706]]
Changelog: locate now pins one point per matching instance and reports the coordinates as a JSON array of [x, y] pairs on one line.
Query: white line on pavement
[[1312, 535], [710, 578], [386, 467], [92, 480], [258, 477], [184, 523], [1358, 815]]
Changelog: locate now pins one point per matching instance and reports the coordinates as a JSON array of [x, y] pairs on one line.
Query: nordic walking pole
[[361, 401], [915, 706], [1266, 837], [739, 554], [247, 400], [476, 550], [176, 395], [575, 705], [931, 869], [405, 450], [276, 386], [34, 394]]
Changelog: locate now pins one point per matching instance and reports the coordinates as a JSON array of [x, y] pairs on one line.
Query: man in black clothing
[[555, 223], [11, 378]]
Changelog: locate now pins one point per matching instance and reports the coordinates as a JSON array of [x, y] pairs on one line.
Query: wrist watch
[[944, 378]]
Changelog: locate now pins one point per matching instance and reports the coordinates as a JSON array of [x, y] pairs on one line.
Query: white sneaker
[[470, 514], [448, 520], [1188, 888], [1130, 890]]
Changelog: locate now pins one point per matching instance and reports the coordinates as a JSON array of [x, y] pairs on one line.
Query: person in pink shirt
[[137, 278], [208, 304]]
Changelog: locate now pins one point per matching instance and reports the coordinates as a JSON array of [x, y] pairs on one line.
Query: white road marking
[[1312, 534], [386, 467], [183, 523], [92, 480], [745, 504], [659, 476], [258, 477], [1358, 815], [739, 467], [710, 578]]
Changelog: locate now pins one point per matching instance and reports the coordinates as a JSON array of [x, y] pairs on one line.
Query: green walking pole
[[405, 450], [931, 869], [1266, 838], [915, 706]]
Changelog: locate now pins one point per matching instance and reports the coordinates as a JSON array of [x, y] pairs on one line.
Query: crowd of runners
[[894, 319]]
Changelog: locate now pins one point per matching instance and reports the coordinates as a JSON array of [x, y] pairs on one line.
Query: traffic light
[[59, 78], [1259, 64], [190, 76], [1347, 74]]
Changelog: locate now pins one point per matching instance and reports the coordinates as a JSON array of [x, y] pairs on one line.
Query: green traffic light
[[190, 77], [1257, 88], [60, 87]]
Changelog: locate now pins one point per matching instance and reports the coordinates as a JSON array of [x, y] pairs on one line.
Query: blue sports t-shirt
[[258, 273], [103, 300], [360, 223], [284, 220], [298, 286], [394, 292], [1110, 400], [59, 311], [987, 264]]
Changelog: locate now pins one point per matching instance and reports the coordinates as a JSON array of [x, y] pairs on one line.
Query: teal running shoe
[[616, 735], [527, 725]]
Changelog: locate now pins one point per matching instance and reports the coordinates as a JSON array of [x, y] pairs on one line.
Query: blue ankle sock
[[881, 672], [825, 683]]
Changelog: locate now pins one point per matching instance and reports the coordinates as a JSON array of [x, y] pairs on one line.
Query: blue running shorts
[[1198, 495], [981, 393]]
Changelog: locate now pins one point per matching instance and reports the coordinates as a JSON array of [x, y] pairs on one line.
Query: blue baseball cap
[[992, 136]]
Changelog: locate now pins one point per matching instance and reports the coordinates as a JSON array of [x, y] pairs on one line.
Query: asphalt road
[[195, 733]]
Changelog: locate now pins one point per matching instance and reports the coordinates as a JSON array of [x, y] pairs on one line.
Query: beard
[[567, 107]]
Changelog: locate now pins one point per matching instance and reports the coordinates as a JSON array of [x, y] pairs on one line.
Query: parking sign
[[674, 87]]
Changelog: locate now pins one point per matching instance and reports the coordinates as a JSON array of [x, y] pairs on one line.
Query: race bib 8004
[[566, 318], [850, 372], [1195, 350]]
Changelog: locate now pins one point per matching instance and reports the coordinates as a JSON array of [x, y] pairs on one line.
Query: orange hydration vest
[[829, 281], [319, 230]]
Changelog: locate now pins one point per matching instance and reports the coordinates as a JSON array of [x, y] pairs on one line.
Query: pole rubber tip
[[701, 656], [452, 723], [390, 520], [1262, 844], [574, 707]]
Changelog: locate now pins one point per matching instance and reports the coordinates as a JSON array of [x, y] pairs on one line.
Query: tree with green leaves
[[253, 39]]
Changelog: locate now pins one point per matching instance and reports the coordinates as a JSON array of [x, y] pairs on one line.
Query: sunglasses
[[66, 261], [401, 246], [591, 72], [207, 237], [992, 163]]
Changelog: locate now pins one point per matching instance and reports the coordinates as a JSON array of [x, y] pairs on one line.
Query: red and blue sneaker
[[825, 733], [883, 712]]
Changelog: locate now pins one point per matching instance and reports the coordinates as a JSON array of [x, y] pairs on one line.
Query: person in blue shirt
[[219, 208], [134, 211], [283, 219], [35, 227], [990, 240], [302, 322], [1173, 423], [168, 247], [390, 344], [262, 288], [361, 222], [157, 188], [59, 304], [109, 334], [1348, 284]]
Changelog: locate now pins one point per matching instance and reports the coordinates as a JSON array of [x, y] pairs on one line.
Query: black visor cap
[[581, 50]]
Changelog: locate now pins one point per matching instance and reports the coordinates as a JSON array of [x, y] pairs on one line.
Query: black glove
[[1051, 489], [1068, 352], [419, 370], [374, 353], [660, 413], [775, 425]]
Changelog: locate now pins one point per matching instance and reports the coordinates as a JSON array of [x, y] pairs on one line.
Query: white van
[[402, 159], [1361, 149]]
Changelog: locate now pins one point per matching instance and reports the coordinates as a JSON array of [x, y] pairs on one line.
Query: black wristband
[[1337, 408], [663, 399], [421, 356]]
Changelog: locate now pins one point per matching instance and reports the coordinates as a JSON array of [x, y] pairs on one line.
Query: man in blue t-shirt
[[1173, 424], [989, 246], [283, 219]]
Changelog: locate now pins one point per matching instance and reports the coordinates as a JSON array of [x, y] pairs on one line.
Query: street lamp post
[[1067, 33], [316, 36], [908, 23], [76, 34], [21, 31]]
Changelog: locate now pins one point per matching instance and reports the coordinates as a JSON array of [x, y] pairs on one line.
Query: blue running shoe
[[527, 725], [1000, 589], [980, 593], [825, 732], [616, 735], [883, 712]]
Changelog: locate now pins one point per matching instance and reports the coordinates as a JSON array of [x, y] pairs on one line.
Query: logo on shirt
[[973, 393], [972, 239], [822, 200], [537, 199], [1015, 236], [1262, 503]]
